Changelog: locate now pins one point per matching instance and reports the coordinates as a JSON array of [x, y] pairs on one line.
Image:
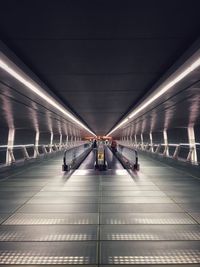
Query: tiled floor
[[106, 218]]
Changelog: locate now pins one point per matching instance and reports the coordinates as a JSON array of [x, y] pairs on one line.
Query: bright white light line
[[163, 90], [118, 126], [43, 95], [168, 86]]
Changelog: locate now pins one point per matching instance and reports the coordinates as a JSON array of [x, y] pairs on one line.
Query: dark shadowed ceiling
[[99, 57]]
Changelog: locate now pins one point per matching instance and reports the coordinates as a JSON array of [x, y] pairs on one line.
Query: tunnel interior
[[99, 133]]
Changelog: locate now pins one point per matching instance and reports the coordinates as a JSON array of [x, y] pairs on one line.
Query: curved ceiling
[[99, 57]]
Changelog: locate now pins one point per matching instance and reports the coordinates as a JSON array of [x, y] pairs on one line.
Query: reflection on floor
[[100, 218]]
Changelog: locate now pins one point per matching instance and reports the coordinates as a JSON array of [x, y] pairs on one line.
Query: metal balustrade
[[75, 154], [22, 153], [181, 152], [128, 156]]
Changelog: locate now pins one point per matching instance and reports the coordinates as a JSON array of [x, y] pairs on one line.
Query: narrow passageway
[[100, 218]]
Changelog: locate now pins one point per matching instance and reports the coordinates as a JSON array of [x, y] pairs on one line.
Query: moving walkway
[[100, 217]]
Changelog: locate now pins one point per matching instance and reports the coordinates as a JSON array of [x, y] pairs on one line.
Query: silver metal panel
[[190, 207], [122, 225], [187, 199], [188, 182], [20, 189], [62, 199], [16, 200], [178, 187], [118, 175], [52, 188], [16, 195], [48, 233], [136, 200], [53, 218], [196, 216], [94, 177], [68, 193], [150, 232], [48, 253], [127, 183], [3, 217], [170, 177], [56, 208], [9, 207], [183, 193], [116, 179], [134, 193], [140, 252], [139, 207], [24, 183], [131, 188], [146, 218]]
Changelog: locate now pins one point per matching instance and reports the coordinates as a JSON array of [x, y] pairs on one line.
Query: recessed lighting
[[25, 80], [167, 87], [160, 91], [118, 126]]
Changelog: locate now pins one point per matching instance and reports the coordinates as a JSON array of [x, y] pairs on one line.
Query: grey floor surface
[[100, 218]]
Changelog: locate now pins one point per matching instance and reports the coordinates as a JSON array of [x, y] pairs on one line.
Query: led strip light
[[25, 80], [159, 92]]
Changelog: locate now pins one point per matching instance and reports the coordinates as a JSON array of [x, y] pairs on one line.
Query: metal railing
[[21, 153], [73, 155], [128, 156], [181, 152]]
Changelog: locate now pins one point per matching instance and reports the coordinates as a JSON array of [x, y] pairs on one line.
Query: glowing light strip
[[166, 88], [118, 126], [40, 93], [163, 90]]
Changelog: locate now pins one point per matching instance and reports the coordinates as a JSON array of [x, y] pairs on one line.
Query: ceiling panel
[[99, 57], [180, 111], [20, 110]]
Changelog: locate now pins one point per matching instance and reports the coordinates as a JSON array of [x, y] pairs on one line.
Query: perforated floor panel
[[150, 232], [100, 218], [53, 218], [57, 208], [48, 232], [146, 218], [3, 217], [141, 252], [48, 253], [141, 207]]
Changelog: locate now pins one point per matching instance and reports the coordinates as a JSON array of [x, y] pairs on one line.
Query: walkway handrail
[[37, 151], [128, 155], [180, 151], [72, 154]]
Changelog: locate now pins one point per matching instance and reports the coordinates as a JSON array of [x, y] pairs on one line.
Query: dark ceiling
[[99, 57], [179, 108]]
